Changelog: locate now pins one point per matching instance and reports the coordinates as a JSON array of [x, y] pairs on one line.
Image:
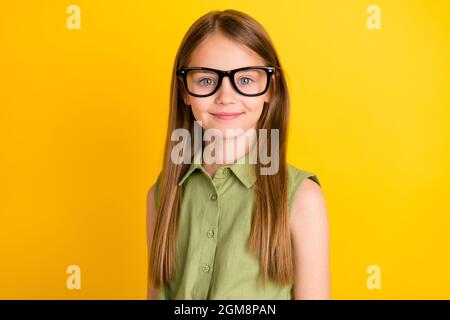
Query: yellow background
[[83, 116]]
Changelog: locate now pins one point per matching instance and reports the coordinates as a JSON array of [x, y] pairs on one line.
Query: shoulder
[[310, 237], [297, 175], [152, 194], [307, 181], [151, 204], [150, 229], [152, 199], [307, 197]]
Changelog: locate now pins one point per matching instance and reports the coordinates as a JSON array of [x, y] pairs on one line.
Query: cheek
[[199, 105], [254, 110]]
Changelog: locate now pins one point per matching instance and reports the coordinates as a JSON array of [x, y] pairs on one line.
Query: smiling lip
[[227, 115]]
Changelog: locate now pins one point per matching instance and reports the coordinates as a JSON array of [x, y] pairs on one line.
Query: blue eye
[[245, 80], [206, 81]]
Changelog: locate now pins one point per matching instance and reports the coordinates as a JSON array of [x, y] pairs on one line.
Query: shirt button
[[226, 171], [205, 268], [210, 233], [213, 197]]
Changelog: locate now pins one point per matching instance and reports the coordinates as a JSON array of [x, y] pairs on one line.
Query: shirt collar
[[241, 168]]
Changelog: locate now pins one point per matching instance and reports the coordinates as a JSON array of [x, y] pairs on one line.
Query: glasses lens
[[251, 81], [202, 82]]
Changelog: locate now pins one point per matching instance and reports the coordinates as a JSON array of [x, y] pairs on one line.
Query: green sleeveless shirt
[[212, 258]]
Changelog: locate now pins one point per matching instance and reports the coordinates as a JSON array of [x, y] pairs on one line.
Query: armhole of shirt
[[295, 178]]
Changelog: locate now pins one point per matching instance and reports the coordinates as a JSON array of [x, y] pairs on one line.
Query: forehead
[[219, 52]]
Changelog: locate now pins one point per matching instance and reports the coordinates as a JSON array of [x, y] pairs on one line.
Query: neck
[[227, 151]]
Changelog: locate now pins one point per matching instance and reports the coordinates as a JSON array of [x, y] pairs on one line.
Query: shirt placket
[[210, 230]]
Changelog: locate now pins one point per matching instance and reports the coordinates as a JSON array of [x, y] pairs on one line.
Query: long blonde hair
[[270, 237]]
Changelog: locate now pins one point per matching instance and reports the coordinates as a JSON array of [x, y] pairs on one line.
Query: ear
[[186, 99], [269, 92], [268, 97], [185, 96]]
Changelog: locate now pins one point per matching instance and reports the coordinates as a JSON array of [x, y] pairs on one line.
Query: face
[[220, 52]]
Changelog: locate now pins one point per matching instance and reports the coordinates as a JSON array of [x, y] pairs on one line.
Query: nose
[[226, 93]]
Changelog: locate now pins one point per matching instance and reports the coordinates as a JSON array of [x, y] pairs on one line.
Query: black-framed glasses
[[249, 81]]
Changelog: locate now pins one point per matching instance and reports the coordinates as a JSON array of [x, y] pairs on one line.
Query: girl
[[222, 229]]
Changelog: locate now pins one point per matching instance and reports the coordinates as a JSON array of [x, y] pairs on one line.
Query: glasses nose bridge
[[229, 74]]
